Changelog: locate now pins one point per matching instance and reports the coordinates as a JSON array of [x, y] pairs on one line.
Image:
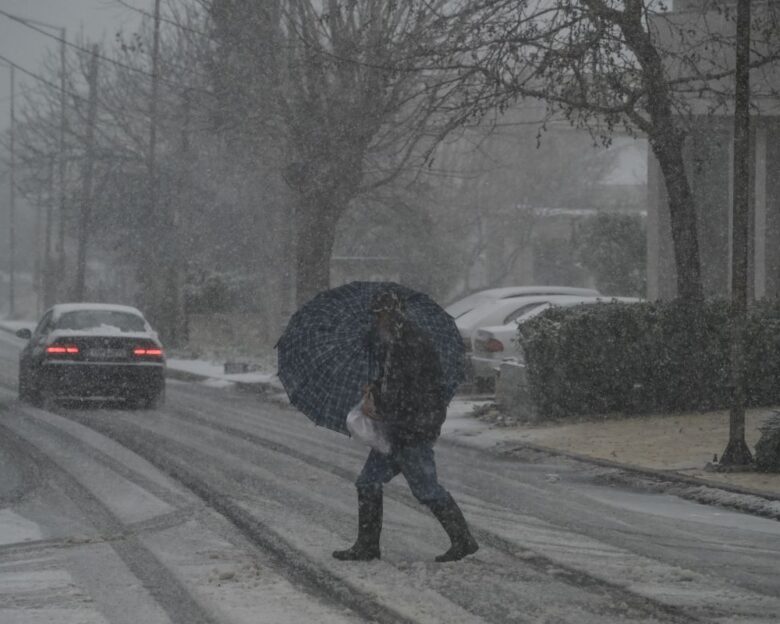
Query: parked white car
[[501, 311], [491, 295], [492, 345]]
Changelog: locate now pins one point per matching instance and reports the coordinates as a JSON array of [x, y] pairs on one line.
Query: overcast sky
[[98, 19], [101, 19]]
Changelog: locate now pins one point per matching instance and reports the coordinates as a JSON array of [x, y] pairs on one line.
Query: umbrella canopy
[[324, 354]]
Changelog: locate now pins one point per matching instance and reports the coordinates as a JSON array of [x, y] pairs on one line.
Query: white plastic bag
[[368, 430]]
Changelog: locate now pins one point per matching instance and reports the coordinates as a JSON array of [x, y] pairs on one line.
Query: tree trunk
[[315, 238], [667, 143], [86, 188], [682, 212]]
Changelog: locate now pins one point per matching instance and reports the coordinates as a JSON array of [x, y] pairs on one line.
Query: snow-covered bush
[[646, 357]]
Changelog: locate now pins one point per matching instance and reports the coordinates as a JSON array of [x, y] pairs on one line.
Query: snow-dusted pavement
[[221, 507]]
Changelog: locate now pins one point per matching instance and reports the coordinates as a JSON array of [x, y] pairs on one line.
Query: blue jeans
[[417, 465]]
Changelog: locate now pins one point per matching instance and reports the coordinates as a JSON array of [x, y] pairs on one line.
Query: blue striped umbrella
[[324, 359]]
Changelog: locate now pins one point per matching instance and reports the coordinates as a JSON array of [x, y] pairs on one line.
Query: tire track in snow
[[628, 577], [169, 594], [575, 578], [541, 563], [528, 557], [290, 562]]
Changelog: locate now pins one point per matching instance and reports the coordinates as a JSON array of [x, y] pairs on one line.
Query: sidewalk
[[671, 448]]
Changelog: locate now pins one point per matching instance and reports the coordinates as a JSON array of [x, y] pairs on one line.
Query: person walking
[[408, 398]]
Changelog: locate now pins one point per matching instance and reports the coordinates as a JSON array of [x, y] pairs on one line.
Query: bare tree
[[333, 82], [109, 126], [607, 65]]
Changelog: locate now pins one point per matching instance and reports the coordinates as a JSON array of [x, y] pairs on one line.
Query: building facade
[[709, 161], [709, 166]]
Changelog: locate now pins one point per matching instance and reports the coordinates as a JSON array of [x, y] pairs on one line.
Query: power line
[[101, 57], [162, 18], [49, 83], [55, 86], [41, 78]]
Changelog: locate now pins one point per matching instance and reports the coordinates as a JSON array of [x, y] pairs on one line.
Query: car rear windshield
[[99, 319], [459, 308], [522, 311]]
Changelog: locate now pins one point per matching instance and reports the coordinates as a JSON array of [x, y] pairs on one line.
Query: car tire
[[27, 391], [151, 402], [45, 400], [25, 396]]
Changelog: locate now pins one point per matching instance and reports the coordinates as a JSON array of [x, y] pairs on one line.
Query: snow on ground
[[218, 574], [10, 339], [461, 423], [15, 528], [14, 326], [680, 443], [216, 371]]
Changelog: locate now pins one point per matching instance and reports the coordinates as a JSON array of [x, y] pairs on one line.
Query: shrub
[[645, 357]]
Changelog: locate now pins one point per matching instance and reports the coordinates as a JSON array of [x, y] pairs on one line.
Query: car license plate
[[105, 354]]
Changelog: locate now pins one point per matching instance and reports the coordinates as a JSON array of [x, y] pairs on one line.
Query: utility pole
[[48, 268], [155, 94], [12, 208], [60, 273], [38, 239], [156, 272], [737, 452], [180, 322], [86, 186]]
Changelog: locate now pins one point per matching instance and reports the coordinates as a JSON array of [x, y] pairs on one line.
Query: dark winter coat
[[409, 394]]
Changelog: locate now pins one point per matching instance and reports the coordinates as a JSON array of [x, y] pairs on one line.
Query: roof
[[465, 304], [63, 308], [519, 291], [504, 307]]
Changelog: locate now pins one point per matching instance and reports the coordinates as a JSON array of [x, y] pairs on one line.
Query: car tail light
[[493, 346], [486, 342], [62, 349], [148, 352]]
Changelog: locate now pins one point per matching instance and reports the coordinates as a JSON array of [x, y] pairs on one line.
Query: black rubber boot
[[366, 547], [449, 514]]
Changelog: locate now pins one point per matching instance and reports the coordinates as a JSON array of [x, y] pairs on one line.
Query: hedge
[[646, 357]]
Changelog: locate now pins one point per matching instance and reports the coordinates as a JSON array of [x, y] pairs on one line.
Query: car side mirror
[[24, 334]]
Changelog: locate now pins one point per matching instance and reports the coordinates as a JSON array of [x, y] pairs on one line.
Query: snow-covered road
[[223, 508]]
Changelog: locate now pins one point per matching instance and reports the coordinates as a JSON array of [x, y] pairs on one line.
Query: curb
[[253, 387], [180, 375], [653, 473], [745, 500]]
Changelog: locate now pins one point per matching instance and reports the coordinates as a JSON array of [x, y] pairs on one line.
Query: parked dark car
[[85, 350]]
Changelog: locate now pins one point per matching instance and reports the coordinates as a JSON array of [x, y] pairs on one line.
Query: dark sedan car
[[100, 351]]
